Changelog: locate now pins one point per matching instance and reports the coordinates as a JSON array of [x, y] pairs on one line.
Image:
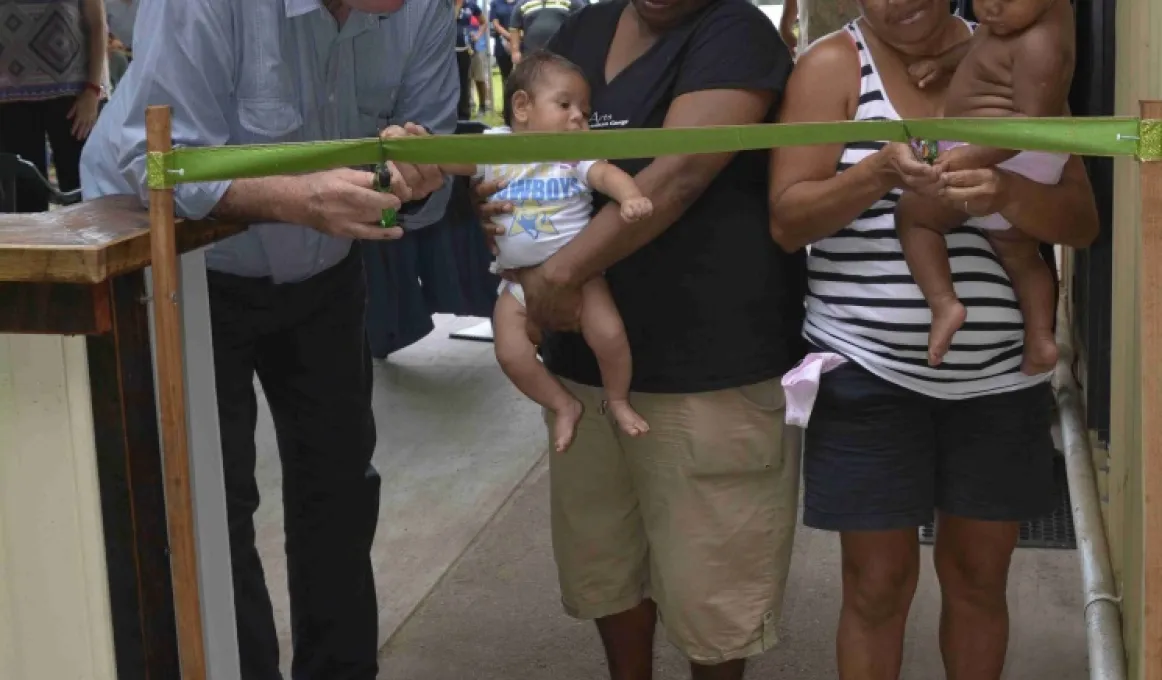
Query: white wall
[[54, 599]]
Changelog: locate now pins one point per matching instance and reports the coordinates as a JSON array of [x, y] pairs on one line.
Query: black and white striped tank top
[[864, 304]]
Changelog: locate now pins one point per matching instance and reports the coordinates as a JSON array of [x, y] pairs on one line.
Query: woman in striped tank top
[[893, 443]]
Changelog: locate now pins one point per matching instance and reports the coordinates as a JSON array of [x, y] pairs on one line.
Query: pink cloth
[[801, 384]]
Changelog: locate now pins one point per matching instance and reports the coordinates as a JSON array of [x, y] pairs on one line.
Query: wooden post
[[1150, 346], [171, 393]]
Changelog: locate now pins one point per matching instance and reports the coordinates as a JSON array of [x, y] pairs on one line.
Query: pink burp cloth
[[801, 384]]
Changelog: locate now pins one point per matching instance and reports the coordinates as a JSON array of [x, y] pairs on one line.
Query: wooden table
[[85, 581]]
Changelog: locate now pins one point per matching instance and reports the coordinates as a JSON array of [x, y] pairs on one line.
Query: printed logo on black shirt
[[601, 121]]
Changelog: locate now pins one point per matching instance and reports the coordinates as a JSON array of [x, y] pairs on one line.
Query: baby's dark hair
[[532, 68]]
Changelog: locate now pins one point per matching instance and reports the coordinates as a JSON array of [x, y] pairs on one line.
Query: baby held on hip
[[1019, 63], [551, 205]]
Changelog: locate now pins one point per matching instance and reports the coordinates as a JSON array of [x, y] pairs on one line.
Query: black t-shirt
[[539, 20], [713, 302]]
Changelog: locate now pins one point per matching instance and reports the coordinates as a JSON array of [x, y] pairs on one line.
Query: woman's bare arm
[[1064, 213], [809, 199], [93, 12]]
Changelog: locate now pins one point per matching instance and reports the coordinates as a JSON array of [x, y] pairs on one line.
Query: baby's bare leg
[[604, 332], [518, 359], [1033, 284], [921, 225]]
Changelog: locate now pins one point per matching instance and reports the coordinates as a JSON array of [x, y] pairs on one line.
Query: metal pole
[[1103, 615], [486, 12]]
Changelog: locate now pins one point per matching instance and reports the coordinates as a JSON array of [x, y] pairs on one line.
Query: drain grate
[[1054, 530]]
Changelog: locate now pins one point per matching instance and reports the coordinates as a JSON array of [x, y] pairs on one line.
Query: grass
[[493, 118]]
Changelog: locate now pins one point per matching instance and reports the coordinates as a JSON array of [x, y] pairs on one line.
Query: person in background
[[119, 58], [54, 93], [789, 25], [466, 11], [501, 13], [535, 22], [120, 15], [479, 71], [288, 295]]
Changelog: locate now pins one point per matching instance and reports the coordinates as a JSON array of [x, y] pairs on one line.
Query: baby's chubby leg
[[1033, 285], [921, 225], [605, 334], [518, 359]]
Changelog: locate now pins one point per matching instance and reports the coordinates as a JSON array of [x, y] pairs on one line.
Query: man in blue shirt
[[500, 12], [287, 296]]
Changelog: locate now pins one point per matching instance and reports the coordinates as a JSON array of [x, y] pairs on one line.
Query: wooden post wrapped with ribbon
[[171, 394], [1150, 403]]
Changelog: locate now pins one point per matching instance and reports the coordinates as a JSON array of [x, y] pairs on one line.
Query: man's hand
[[344, 203], [409, 181]]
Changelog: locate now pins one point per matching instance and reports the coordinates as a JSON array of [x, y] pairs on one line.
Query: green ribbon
[[1078, 136]]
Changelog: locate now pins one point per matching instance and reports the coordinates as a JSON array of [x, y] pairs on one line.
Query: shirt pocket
[[268, 119], [378, 80], [268, 107]]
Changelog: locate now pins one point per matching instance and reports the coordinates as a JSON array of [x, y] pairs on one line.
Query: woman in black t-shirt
[[695, 519]]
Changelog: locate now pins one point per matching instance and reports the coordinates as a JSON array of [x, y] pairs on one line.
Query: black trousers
[[307, 345], [464, 64], [23, 127], [503, 62]]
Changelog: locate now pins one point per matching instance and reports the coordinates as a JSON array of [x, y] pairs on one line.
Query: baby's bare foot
[[628, 419], [947, 318], [565, 425], [1040, 353]]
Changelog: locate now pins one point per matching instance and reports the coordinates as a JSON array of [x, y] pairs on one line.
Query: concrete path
[[496, 614], [463, 536], [455, 440]]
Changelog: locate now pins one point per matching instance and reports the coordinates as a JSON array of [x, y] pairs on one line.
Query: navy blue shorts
[[880, 457]]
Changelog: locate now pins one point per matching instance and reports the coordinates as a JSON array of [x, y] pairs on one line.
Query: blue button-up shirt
[[262, 71]]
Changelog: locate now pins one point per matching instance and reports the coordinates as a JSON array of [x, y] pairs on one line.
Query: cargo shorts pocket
[[738, 431]]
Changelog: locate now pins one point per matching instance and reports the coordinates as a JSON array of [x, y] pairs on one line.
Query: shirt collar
[[296, 8]]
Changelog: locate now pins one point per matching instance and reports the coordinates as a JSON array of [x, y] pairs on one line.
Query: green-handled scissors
[[383, 183]]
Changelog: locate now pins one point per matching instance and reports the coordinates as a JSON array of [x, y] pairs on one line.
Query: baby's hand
[[636, 209], [925, 73]]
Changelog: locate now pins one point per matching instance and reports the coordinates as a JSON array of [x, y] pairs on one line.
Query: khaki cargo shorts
[[699, 515]]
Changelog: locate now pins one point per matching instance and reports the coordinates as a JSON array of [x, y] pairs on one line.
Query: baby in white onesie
[[552, 202]]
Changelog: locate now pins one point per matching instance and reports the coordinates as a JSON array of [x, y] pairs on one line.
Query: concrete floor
[[496, 614], [466, 580], [455, 440]]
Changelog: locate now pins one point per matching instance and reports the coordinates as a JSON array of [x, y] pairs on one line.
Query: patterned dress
[[43, 50]]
